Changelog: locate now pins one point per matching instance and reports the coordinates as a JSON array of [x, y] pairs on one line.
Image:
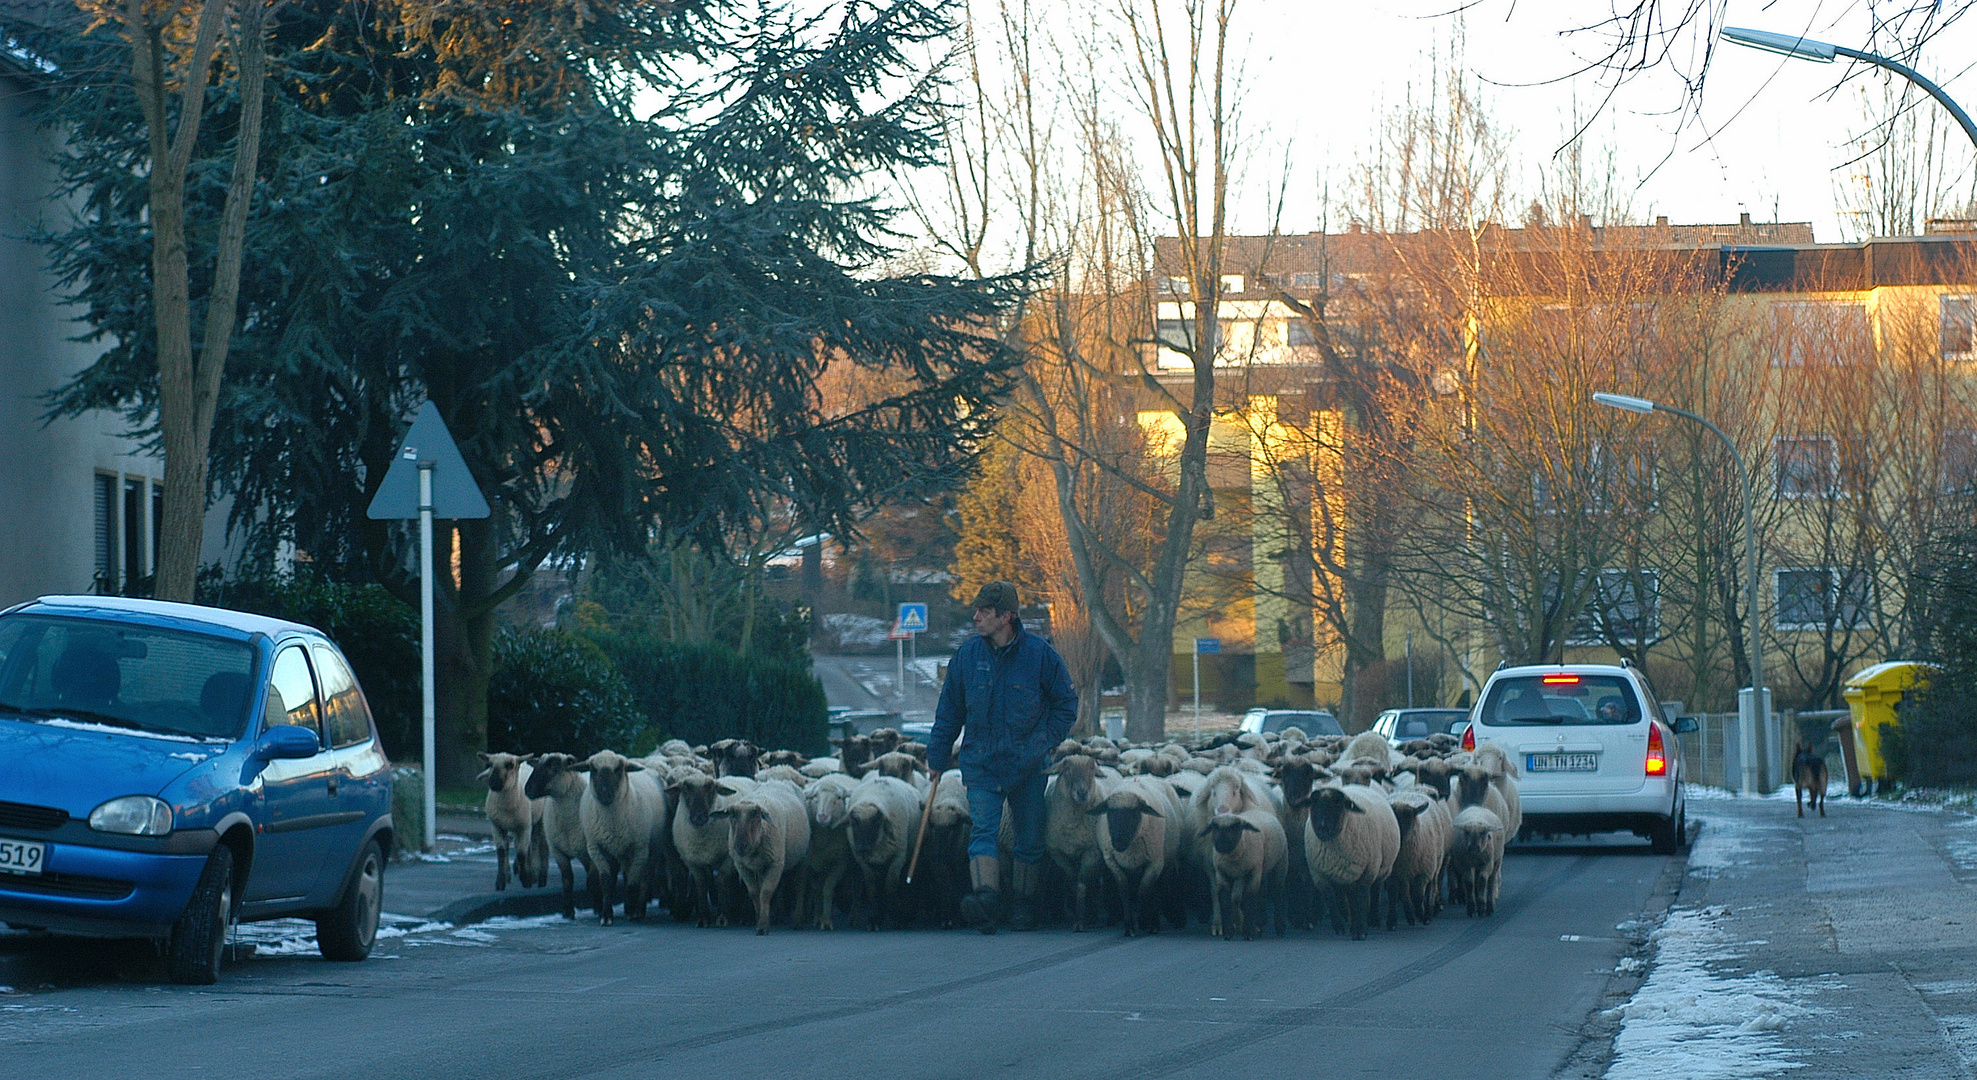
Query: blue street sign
[[1207, 645], [912, 618]]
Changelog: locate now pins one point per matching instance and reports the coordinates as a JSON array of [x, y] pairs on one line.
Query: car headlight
[[133, 815]]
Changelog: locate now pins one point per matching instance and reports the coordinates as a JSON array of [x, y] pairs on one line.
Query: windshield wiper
[[90, 715]]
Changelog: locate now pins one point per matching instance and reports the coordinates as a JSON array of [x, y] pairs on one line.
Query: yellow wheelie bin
[[1872, 695]]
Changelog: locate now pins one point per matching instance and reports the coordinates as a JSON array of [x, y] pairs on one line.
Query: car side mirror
[[286, 741], [1684, 725]]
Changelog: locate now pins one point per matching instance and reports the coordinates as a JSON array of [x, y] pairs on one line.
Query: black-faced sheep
[[768, 837], [1350, 843], [735, 757], [1249, 856], [554, 779], [884, 818], [516, 819], [623, 812], [827, 799], [1069, 834], [1137, 845], [1424, 840], [702, 841], [1476, 857]]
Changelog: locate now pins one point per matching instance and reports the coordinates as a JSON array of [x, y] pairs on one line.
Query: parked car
[[1404, 725], [1312, 721], [172, 769], [1594, 751]]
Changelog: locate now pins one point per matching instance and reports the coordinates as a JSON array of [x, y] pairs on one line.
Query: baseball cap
[[1000, 595]]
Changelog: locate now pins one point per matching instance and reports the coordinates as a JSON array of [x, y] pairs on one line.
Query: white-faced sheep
[[516, 820], [827, 799], [1503, 777], [1476, 858], [554, 779], [768, 837], [1248, 856], [884, 817], [1069, 834], [1137, 845], [623, 812], [1351, 841]]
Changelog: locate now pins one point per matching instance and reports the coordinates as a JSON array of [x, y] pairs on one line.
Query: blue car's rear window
[[124, 675]]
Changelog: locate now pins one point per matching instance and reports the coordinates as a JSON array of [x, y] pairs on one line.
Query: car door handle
[[332, 783]]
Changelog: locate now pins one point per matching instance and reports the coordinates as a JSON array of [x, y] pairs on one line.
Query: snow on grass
[[1687, 1022], [1962, 844]]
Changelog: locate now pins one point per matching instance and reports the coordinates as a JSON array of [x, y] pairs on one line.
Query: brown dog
[[1809, 775]]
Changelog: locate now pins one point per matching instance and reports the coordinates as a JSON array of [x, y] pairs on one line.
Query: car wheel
[[348, 931], [199, 937], [1666, 836]]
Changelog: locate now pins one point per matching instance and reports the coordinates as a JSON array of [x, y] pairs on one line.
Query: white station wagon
[[1594, 752]]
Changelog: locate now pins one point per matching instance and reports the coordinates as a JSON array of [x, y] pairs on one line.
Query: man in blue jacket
[[1011, 692]]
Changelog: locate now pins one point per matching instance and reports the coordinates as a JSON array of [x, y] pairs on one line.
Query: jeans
[[1026, 806]]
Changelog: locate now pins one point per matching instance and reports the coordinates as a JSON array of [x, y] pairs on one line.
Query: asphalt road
[[1517, 995]]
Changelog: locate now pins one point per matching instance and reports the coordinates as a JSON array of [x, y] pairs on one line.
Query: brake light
[[1469, 738], [1561, 680], [1657, 758]]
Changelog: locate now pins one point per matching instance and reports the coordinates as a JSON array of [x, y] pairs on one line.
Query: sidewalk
[[456, 883], [1843, 946]]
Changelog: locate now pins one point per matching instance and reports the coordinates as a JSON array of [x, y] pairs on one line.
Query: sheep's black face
[[1404, 813], [698, 802], [1227, 834], [546, 771], [1475, 786], [606, 781], [1297, 778], [751, 825], [497, 776], [1123, 823], [867, 826], [1329, 806]]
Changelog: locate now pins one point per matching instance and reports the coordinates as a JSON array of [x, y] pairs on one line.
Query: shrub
[[702, 693], [553, 691], [1936, 741], [377, 632]]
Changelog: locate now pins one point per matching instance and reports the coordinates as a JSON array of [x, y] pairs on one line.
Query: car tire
[[199, 937], [1666, 835], [348, 931]]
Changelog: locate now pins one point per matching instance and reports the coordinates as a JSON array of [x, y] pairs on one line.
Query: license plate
[[22, 856], [1561, 762]]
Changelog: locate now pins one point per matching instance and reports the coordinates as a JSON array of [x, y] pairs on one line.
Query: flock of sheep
[[1297, 828]]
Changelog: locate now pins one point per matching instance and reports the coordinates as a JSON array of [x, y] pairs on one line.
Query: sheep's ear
[[1098, 810], [484, 774], [1354, 807], [722, 812], [1250, 825], [581, 766], [1054, 768], [633, 766], [483, 754], [1148, 809]]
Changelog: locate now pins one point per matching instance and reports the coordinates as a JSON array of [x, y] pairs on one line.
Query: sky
[[1767, 137]]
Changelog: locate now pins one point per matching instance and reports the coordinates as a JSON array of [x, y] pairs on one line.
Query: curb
[[473, 909]]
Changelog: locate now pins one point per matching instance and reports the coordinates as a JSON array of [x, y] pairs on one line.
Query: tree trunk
[[1146, 696]]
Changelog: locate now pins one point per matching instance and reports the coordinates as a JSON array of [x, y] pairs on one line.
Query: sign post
[[428, 479], [1212, 646]]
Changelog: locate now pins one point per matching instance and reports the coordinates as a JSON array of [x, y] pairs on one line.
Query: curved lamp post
[[1747, 733], [1820, 52]]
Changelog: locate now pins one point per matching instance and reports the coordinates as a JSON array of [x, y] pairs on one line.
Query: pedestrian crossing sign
[[912, 618]]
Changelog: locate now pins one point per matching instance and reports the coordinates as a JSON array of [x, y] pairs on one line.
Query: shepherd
[[1809, 776], [1011, 694]]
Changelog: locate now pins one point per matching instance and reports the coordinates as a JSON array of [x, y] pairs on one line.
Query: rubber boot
[[1023, 913], [979, 907]]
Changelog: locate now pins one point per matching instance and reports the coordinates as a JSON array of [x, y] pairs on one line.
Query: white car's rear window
[[1543, 700]]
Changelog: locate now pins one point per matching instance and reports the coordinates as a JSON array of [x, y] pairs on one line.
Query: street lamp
[[1757, 707], [1819, 52]]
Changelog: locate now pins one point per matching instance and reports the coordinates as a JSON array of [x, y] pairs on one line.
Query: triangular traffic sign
[[454, 493]]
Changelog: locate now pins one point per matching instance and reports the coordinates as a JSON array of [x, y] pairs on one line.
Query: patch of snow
[[1726, 842], [468, 933], [112, 729], [189, 756], [427, 856], [531, 922], [455, 837], [1961, 1033], [1688, 1021], [416, 928]]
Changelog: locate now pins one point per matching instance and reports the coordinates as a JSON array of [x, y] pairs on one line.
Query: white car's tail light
[[1657, 757]]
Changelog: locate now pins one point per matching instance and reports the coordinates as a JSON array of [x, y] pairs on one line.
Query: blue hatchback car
[[168, 769]]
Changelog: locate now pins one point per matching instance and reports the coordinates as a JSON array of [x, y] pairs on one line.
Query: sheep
[[853, 752], [1351, 841], [1249, 857], [735, 757], [1476, 857], [675, 748], [702, 841], [1295, 780], [516, 819], [623, 812], [782, 772], [826, 799], [944, 853], [884, 815], [1372, 746], [1069, 836], [1424, 840], [1503, 777], [885, 740], [556, 782], [823, 766], [792, 758], [768, 836], [913, 748], [1476, 786], [1137, 845], [902, 767]]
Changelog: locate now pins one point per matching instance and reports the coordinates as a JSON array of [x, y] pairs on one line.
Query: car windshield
[[1421, 723], [138, 677], [1560, 699], [1312, 723]]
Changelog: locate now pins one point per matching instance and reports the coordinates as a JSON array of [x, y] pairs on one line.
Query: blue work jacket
[[1016, 703]]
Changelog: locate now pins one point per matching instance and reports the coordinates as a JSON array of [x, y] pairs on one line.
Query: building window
[[1820, 332], [1175, 286], [1625, 609], [1959, 328], [1959, 462], [1307, 281], [106, 533], [1814, 597], [1232, 283], [1298, 332], [1806, 466]]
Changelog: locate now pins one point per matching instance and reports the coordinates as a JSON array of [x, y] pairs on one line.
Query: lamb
[[827, 800], [561, 787], [944, 853], [884, 815], [623, 813], [1424, 840], [1069, 836], [1350, 843], [1137, 845], [1249, 858], [1476, 857], [517, 821], [1475, 785], [701, 839], [768, 836]]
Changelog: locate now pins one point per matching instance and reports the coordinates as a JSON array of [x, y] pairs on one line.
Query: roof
[[243, 622]]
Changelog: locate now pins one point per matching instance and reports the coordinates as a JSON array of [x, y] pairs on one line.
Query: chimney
[[1661, 221], [1744, 220]]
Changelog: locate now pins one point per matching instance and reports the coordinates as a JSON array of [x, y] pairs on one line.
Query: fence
[[1711, 754]]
